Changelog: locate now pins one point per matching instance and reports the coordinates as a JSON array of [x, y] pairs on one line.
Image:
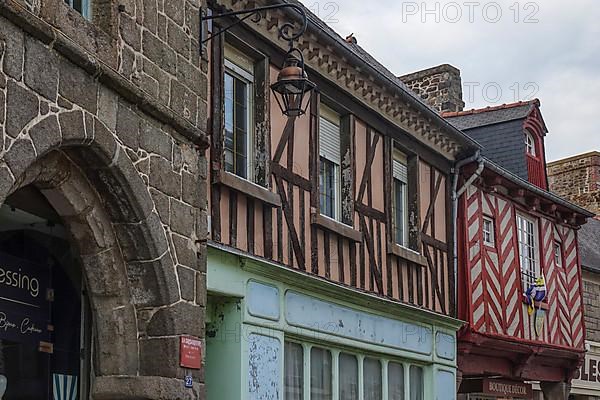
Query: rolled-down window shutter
[[329, 135], [400, 171]]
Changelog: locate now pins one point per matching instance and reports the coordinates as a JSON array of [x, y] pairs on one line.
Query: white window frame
[[86, 8], [530, 144], [360, 357], [334, 118], [400, 174], [241, 67], [558, 254], [489, 235], [530, 263]]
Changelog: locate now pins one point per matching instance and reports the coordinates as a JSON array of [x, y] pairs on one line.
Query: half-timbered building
[[330, 263], [519, 276]]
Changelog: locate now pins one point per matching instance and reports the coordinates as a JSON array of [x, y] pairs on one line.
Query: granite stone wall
[[591, 302], [107, 119], [577, 179], [440, 87]]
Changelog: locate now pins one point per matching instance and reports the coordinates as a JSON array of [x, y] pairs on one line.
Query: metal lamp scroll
[[292, 84]]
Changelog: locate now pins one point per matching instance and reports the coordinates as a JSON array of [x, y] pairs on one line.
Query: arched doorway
[[44, 310]]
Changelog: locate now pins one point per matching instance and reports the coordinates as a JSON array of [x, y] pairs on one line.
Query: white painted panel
[[264, 367], [262, 300], [445, 385], [323, 316], [445, 346]]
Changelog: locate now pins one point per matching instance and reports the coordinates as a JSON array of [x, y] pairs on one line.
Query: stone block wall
[[591, 302], [440, 87], [108, 119], [577, 179]]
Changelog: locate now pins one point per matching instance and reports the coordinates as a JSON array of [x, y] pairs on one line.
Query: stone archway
[[84, 171]]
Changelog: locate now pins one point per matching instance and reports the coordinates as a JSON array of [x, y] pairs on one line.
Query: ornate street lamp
[[292, 89]]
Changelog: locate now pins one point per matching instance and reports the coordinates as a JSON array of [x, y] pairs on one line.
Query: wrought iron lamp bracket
[[288, 31]]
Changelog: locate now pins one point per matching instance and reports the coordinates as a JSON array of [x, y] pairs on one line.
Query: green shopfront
[[273, 333]]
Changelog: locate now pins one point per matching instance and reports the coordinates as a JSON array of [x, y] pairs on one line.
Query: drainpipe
[[456, 193]]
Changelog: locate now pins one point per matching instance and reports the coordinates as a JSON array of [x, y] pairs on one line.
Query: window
[[528, 250], [400, 178], [294, 371], [372, 379], [558, 254], [329, 156], [238, 109], [320, 374], [348, 377], [395, 381], [416, 383], [350, 374], [81, 6], [530, 144], [488, 231]]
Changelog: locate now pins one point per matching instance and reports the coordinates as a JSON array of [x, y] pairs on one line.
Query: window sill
[[407, 254], [248, 188], [336, 227]]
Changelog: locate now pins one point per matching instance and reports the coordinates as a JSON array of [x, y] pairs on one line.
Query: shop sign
[[588, 375], [24, 300], [190, 352], [511, 389]]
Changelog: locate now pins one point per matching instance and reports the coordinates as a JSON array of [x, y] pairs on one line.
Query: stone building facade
[[577, 178], [440, 87], [105, 116]]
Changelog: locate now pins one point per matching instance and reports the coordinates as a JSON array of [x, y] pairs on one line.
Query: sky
[[506, 50]]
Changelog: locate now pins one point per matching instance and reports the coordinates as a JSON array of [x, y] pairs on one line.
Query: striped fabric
[[64, 387]]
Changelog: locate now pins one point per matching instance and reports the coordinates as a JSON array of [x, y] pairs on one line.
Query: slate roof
[[589, 245], [491, 115], [368, 60]]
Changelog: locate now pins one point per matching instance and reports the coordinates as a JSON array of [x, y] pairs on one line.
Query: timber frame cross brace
[[286, 31]]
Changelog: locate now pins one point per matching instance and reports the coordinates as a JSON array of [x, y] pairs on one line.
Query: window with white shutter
[[238, 93], [329, 156], [400, 192]]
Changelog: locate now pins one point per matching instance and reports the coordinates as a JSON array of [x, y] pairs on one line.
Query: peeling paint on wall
[[264, 373]]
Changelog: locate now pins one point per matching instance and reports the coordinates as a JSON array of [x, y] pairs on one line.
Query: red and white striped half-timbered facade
[[511, 233]]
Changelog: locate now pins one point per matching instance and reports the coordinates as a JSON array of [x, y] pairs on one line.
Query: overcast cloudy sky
[[506, 51]]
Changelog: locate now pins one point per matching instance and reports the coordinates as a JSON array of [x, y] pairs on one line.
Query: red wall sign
[[190, 352]]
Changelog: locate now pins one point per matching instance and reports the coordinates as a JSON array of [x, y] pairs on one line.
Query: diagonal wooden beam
[[289, 218]]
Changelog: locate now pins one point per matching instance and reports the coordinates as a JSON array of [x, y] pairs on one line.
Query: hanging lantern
[[293, 85]]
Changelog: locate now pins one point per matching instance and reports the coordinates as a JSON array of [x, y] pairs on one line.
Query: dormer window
[[530, 144]]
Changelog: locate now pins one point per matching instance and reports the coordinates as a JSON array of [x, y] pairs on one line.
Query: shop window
[[372, 379], [329, 169], [488, 232], [417, 384], [400, 175], [395, 381], [320, 374], [44, 311], [348, 365], [294, 371], [528, 250], [83, 7], [238, 110]]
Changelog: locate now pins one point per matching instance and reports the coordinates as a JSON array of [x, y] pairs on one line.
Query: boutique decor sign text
[[24, 300]]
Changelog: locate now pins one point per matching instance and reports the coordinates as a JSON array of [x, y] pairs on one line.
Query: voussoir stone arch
[[84, 171]]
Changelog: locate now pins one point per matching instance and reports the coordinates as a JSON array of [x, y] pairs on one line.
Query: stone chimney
[[440, 87], [577, 179]]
